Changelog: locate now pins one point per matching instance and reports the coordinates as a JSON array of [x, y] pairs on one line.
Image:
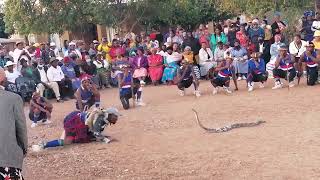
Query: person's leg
[[292, 75], [312, 75], [55, 87], [40, 89], [11, 173], [69, 89], [34, 115], [277, 74], [62, 89]]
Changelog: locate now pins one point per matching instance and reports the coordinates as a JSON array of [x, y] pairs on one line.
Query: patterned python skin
[[225, 128]]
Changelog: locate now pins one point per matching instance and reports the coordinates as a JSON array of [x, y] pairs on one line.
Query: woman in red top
[[242, 36], [155, 62]]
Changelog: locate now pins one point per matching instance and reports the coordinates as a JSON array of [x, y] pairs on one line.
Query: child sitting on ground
[[40, 110]]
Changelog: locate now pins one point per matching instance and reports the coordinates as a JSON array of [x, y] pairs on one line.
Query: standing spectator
[[55, 74], [73, 52], [205, 60], [205, 37], [105, 47], [42, 76], [216, 37], [93, 48], [191, 42], [242, 36], [232, 34], [278, 26], [65, 48], [44, 53], [307, 26], [316, 23], [155, 63], [255, 32], [54, 51], [18, 51], [240, 60], [14, 139], [172, 39]]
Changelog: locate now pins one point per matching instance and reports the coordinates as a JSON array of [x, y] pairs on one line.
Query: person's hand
[[106, 140], [308, 53]]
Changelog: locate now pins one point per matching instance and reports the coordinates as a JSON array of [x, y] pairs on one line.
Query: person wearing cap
[[72, 50], [308, 62], [11, 73], [87, 94], [14, 139], [103, 71], [69, 69], [186, 77], [256, 71], [307, 22], [284, 68], [55, 74], [83, 127], [297, 47], [45, 84], [255, 32], [53, 51], [316, 40], [40, 110], [224, 71], [105, 47], [240, 60], [93, 50]]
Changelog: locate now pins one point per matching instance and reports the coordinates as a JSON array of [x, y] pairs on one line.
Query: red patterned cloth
[[75, 128]]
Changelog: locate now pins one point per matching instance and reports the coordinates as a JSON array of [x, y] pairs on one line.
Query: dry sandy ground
[[162, 140]]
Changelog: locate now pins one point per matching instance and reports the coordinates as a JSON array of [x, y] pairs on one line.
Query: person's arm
[[20, 124], [79, 100], [277, 62], [32, 103], [273, 50], [50, 75]]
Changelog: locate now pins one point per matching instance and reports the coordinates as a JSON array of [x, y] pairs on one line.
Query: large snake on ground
[[225, 128]]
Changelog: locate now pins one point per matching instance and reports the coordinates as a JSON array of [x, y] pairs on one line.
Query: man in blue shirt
[[256, 71]]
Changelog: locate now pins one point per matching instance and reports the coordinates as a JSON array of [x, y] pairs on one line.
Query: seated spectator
[[219, 53], [188, 55], [139, 65], [274, 52], [155, 63], [68, 69], [171, 65], [255, 32], [90, 69], [240, 60], [297, 47], [55, 74], [217, 37], [103, 70], [72, 50], [87, 94], [45, 84], [205, 60], [172, 39], [40, 110], [116, 49], [11, 73], [242, 36], [205, 37]]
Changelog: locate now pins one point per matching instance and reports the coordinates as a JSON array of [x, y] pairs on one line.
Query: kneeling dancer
[[186, 77], [224, 71], [284, 68], [309, 59], [256, 71], [83, 127]]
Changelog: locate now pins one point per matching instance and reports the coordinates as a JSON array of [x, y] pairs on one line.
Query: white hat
[[114, 111], [72, 43], [52, 44], [256, 21], [10, 63]]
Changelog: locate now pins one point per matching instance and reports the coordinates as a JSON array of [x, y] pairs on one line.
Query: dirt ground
[[163, 141]]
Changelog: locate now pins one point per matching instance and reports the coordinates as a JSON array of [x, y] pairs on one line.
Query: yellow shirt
[[189, 57], [105, 48], [316, 44]]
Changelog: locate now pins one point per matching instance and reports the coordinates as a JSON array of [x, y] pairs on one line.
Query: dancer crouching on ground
[[83, 127], [309, 61], [88, 94], [129, 87], [40, 110], [257, 71], [224, 71], [186, 77], [284, 68]]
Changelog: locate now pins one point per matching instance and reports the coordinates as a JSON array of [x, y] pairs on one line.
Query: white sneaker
[[214, 91], [140, 103], [277, 85], [261, 86], [250, 88], [142, 83], [181, 92], [239, 78], [291, 84], [244, 77], [37, 147], [33, 125], [197, 93], [227, 90], [304, 73]]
